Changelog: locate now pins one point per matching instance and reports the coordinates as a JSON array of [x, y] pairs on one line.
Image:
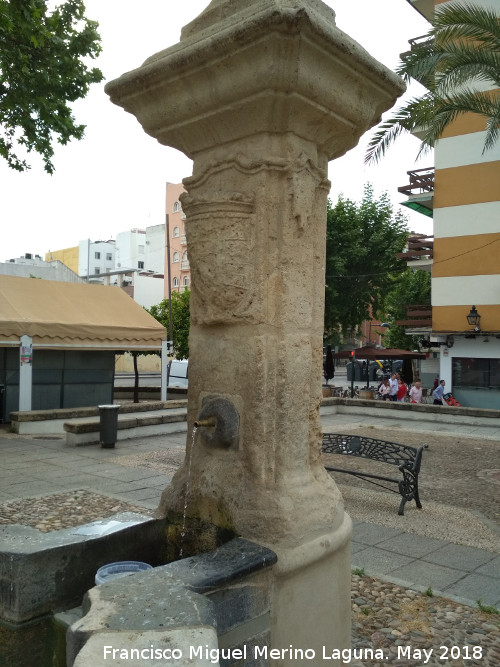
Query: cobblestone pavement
[[396, 625]]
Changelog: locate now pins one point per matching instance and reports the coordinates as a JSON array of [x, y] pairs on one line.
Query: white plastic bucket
[[121, 569]]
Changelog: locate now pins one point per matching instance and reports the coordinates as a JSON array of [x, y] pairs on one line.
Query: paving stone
[[378, 561], [406, 544], [476, 586], [460, 557], [369, 533], [428, 574]]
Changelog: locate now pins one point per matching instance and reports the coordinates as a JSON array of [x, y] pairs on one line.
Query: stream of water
[[186, 498]]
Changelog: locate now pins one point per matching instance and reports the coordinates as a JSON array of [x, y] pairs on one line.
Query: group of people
[[394, 389]]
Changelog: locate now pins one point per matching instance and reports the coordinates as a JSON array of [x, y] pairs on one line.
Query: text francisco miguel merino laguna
[[213, 655]]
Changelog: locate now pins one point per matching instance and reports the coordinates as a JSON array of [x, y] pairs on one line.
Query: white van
[[177, 374]]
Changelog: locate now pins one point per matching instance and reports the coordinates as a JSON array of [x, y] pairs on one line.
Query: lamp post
[[353, 361]]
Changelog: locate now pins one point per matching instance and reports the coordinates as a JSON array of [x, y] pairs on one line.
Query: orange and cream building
[[465, 205]]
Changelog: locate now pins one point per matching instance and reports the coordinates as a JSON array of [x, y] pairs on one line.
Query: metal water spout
[[219, 421]]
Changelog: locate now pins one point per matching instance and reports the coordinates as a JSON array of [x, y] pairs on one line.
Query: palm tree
[[462, 49]]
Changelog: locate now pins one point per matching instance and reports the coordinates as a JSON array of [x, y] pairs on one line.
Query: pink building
[[175, 244]]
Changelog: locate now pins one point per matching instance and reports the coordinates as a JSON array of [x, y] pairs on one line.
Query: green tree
[[463, 48], [412, 287], [362, 241], [41, 72], [180, 321]]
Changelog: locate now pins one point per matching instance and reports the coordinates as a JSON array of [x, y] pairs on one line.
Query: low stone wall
[[52, 421], [412, 412]]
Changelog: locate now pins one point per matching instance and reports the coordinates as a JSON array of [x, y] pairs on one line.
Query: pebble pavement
[[397, 622]]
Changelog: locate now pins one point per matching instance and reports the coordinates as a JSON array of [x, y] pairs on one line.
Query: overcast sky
[[114, 179]]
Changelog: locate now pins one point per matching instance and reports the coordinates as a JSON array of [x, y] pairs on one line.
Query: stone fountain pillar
[[261, 94]]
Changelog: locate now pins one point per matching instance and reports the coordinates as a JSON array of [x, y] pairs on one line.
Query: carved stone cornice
[[267, 68]]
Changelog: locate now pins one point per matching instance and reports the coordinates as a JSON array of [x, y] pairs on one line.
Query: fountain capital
[[269, 67]]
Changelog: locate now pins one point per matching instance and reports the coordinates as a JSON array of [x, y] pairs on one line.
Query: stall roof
[[71, 315]]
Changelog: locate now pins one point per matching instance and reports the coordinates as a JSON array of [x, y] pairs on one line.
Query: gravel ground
[[63, 510]]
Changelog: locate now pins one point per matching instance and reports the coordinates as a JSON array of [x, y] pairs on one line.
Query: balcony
[[418, 316], [183, 239], [420, 252], [185, 265], [420, 191], [421, 180]]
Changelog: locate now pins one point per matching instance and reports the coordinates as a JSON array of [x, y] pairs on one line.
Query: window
[[140, 249], [97, 255], [175, 282], [177, 207], [469, 372], [140, 265], [109, 257], [97, 271], [175, 232], [186, 280], [175, 258]]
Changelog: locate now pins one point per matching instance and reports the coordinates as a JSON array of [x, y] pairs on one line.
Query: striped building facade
[[466, 263]]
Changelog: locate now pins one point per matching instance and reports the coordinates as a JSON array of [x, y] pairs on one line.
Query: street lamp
[[473, 319]]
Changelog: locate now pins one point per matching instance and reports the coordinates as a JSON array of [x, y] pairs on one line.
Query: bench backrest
[[370, 448]]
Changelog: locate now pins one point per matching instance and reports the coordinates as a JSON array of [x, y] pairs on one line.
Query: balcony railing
[[416, 43], [421, 180], [417, 316], [185, 265], [420, 246]]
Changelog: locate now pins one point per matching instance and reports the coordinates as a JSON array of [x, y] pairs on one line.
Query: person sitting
[[416, 392], [384, 390], [393, 384], [402, 390]]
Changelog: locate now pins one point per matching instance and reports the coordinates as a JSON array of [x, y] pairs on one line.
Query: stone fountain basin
[[43, 572]]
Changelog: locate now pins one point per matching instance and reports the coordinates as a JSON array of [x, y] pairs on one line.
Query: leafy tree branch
[[42, 70]]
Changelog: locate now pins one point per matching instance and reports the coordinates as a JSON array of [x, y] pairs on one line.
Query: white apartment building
[[95, 258]]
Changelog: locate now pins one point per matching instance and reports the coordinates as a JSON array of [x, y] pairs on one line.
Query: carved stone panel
[[220, 232]]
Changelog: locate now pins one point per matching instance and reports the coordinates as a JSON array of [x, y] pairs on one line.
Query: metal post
[[163, 366], [353, 368], [169, 294], [25, 373]]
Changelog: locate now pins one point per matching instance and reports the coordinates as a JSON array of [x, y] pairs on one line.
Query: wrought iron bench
[[407, 459]]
